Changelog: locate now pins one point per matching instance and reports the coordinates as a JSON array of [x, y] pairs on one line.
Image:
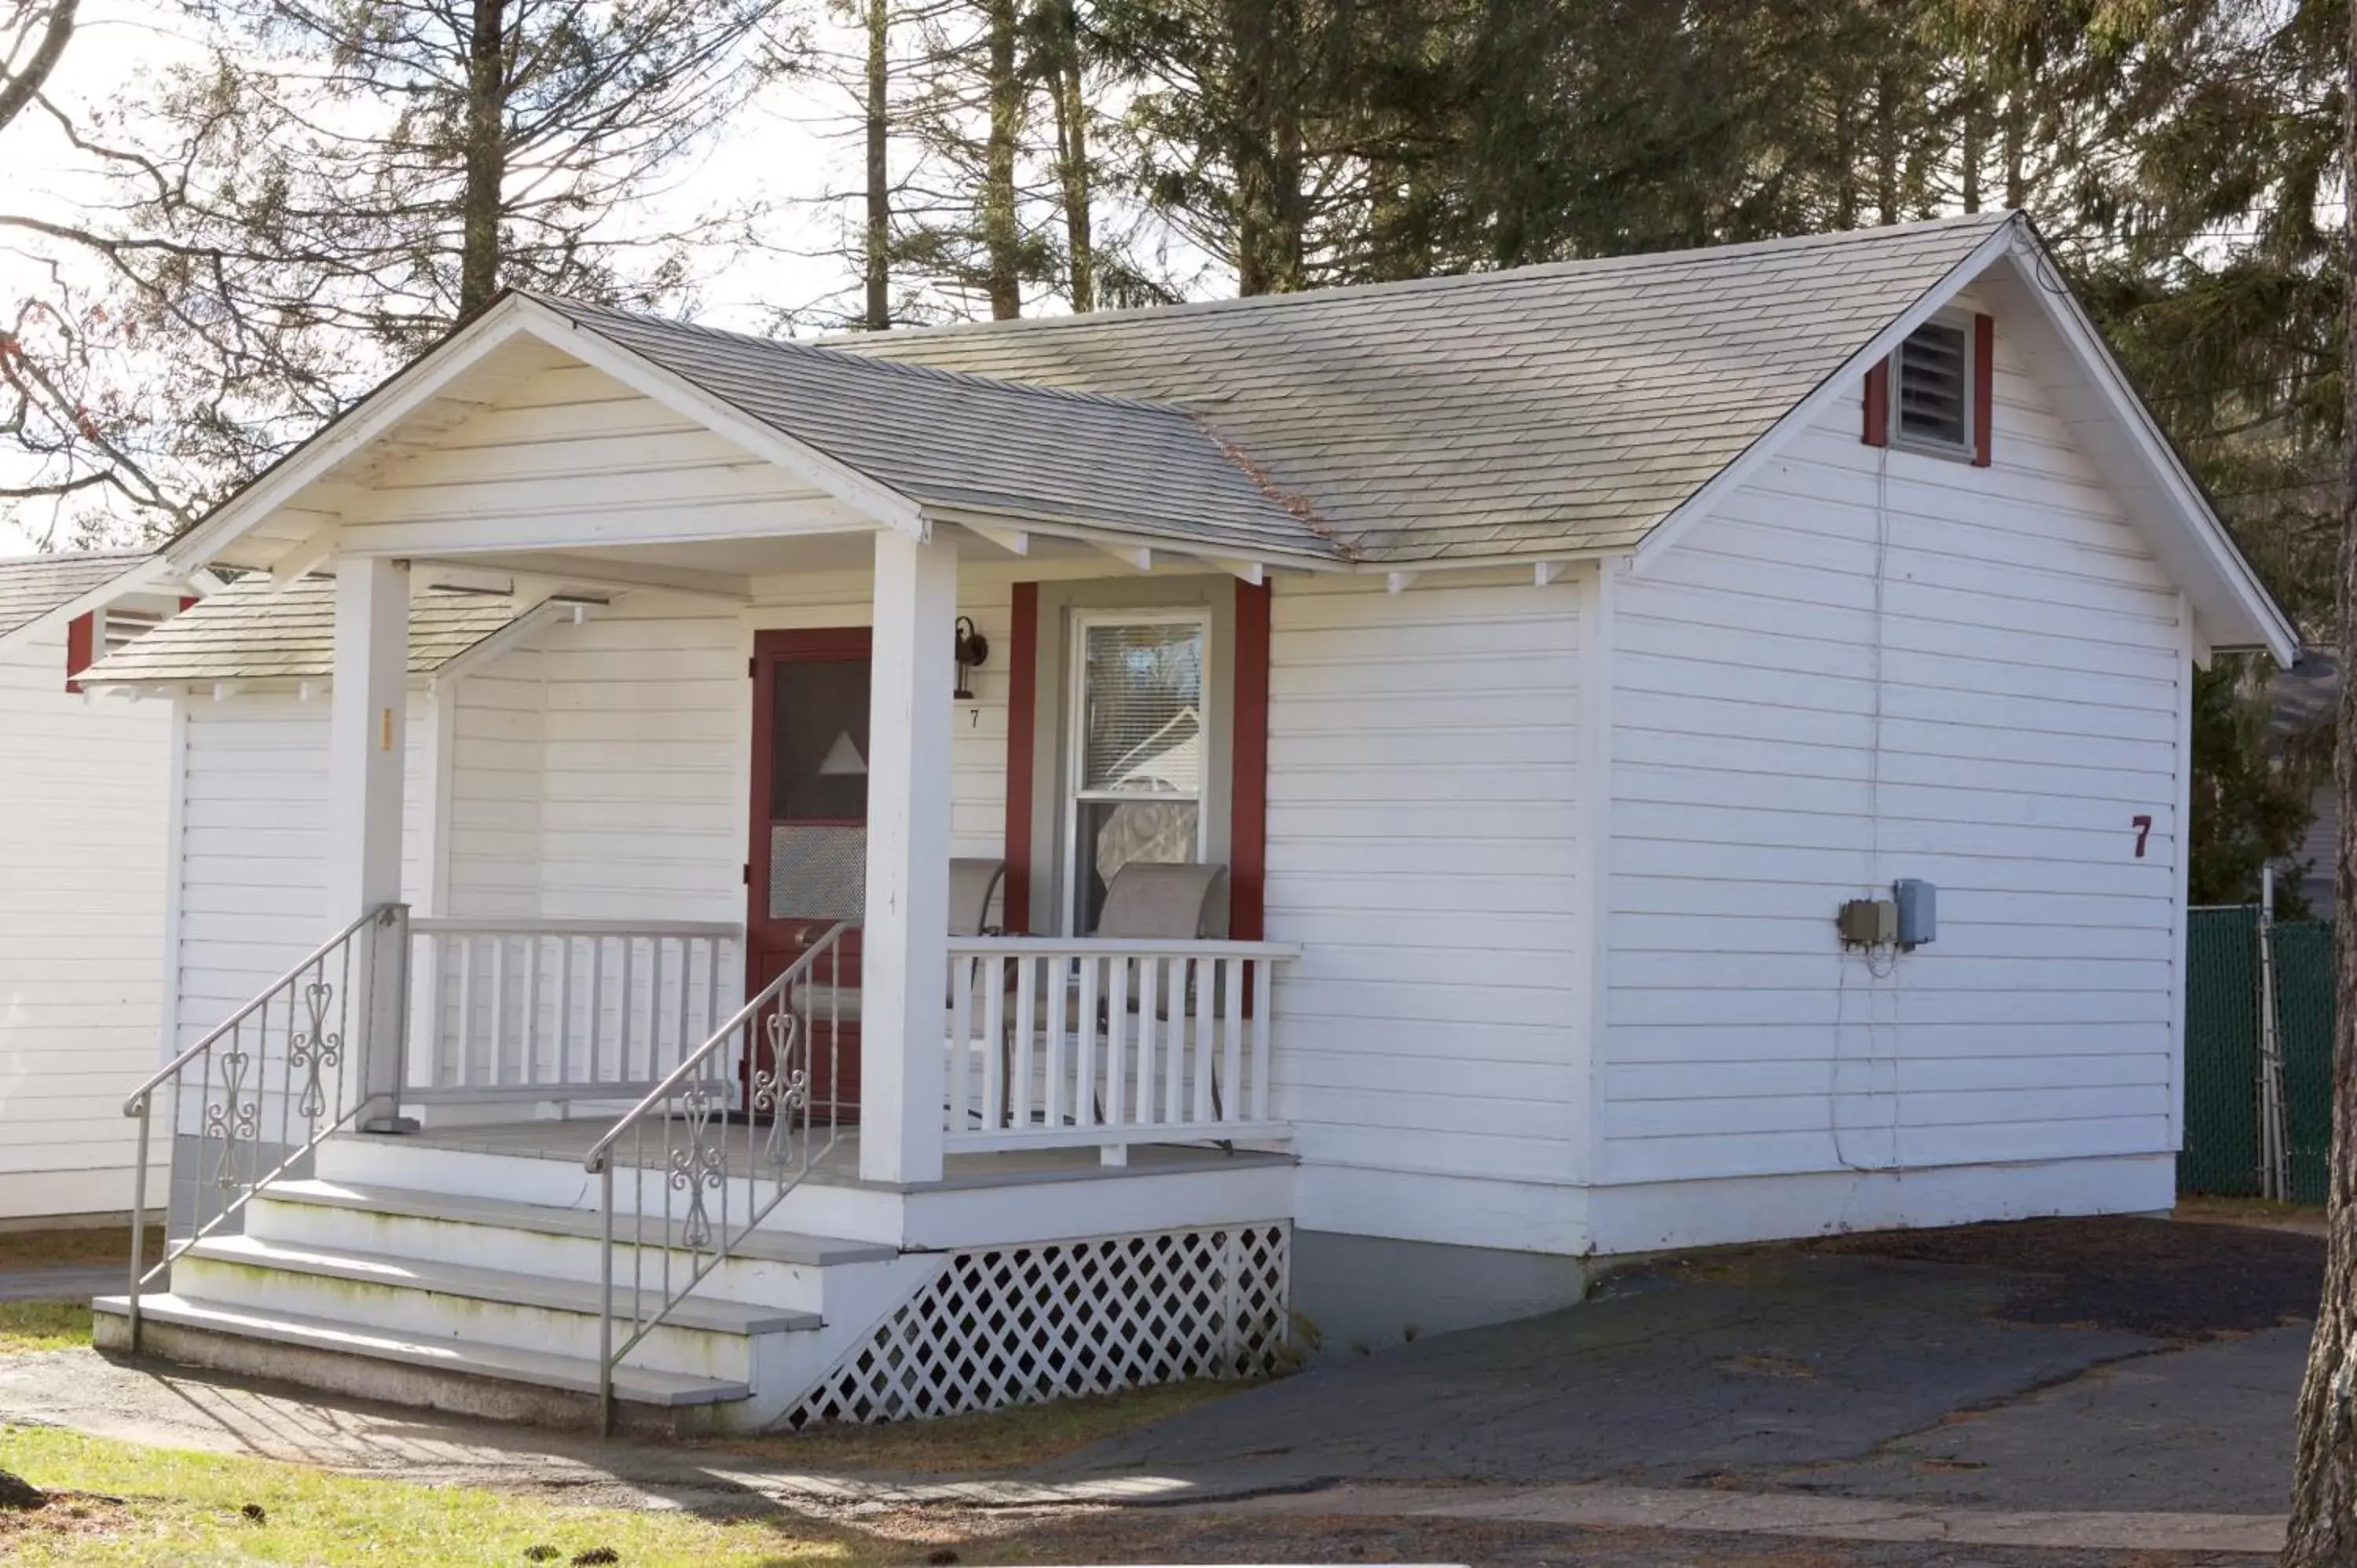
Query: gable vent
[[1935, 382]]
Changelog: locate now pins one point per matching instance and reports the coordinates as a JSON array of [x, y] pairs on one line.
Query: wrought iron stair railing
[[717, 1146], [249, 1102]]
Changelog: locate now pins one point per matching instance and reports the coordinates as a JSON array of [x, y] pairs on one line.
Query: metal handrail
[[693, 1162], [147, 1086], [306, 1056]]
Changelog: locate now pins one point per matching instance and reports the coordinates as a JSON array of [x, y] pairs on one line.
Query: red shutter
[[82, 634], [1983, 382], [1248, 781], [1022, 723], [1877, 405]]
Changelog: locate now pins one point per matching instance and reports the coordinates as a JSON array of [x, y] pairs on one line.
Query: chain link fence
[[2225, 1150]]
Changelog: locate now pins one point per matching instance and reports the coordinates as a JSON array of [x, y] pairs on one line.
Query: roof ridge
[[827, 350], [1439, 283]]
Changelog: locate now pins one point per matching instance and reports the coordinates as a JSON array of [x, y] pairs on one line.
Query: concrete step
[[435, 1300], [772, 1268], [432, 1164], [501, 1381]]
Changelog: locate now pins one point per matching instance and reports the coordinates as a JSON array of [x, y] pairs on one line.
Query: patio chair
[[973, 887], [1147, 903]]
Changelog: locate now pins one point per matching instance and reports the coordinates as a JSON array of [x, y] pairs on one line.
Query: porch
[[701, 1108]]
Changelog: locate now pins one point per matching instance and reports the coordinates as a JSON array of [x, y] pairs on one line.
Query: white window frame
[[1961, 451], [1069, 796]]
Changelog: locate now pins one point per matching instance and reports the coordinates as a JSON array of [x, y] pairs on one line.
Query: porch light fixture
[[972, 650]]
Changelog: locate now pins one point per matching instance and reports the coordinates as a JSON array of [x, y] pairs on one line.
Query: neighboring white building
[[1561, 649], [83, 848]]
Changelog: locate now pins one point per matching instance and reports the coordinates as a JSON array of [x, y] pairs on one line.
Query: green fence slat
[[2221, 1053], [2304, 1015]]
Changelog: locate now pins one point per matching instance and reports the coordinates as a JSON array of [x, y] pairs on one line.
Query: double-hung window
[[1140, 729]]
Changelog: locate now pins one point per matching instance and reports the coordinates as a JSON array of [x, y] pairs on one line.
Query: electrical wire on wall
[[1877, 993]]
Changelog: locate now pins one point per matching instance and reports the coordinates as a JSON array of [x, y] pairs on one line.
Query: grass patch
[[28, 1326], [85, 1245], [989, 1442], [136, 1505]]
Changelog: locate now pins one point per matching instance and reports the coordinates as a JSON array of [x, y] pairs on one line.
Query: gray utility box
[[1918, 911]]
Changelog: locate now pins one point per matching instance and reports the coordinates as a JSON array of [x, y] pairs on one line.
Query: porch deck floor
[[839, 1165]]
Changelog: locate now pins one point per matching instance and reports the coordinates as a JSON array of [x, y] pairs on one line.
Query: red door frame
[[769, 943]]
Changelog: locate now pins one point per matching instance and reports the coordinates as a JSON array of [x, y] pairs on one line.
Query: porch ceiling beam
[[1133, 556], [1253, 572], [1547, 572], [1397, 582], [1014, 541], [304, 558], [585, 572], [453, 538]]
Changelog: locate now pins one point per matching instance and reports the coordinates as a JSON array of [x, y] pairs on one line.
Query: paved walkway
[[61, 1281], [85, 1393], [2141, 1404]]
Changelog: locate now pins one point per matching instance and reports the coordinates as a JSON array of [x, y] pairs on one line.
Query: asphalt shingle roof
[[248, 632], [1572, 405], [33, 586], [963, 441]]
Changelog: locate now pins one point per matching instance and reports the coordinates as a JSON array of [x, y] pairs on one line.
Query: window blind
[[1142, 721]]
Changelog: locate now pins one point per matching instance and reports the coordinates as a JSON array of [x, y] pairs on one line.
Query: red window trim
[[1878, 405], [1022, 729], [81, 638], [1248, 768], [1984, 386], [1248, 762]]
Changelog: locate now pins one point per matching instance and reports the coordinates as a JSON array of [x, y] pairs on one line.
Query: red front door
[[808, 861]]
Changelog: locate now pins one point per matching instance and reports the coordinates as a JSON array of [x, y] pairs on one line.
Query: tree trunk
[[1001, 243], [1885, 151], [20, 90], [2324, 1532], [2017, 184], [1073, 156], [1973, 146], [1265, 141], [487, 159], [1845, 166], [877, 247]]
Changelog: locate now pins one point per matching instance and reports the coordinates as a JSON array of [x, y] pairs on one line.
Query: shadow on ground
[[2115, 1364]]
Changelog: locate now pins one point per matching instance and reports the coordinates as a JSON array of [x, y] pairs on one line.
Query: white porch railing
[[1086, 1043], [562, 1009]]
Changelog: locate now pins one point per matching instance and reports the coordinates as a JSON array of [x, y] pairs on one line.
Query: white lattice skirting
[[1022, 1324]]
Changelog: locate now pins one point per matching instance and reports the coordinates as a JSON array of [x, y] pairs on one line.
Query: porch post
[[904, 953], [367, 714]]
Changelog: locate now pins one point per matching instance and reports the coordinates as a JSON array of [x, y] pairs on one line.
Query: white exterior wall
[[602, 773], [251, 778], [2033, 664], [1424, 847], [82, 855]]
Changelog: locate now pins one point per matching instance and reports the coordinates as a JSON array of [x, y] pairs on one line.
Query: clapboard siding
[[253, 853], [641, 815], [82, 858], [600, 772], [1423, 847], [572, 443], [1789, 733]]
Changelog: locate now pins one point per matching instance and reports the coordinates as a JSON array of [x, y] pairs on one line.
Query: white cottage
[[861, 880], [82, 852]]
